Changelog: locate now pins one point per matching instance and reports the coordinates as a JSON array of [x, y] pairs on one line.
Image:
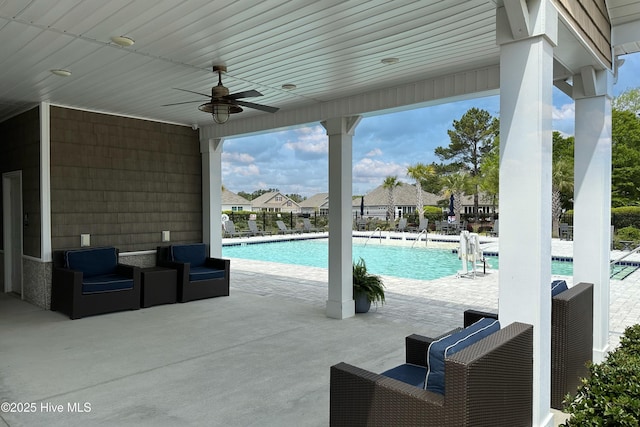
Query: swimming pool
[[399, 261]]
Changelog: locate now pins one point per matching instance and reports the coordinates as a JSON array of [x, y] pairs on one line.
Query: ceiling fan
[[222, 104]]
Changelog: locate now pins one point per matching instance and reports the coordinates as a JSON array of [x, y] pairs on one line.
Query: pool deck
[[259, 357]]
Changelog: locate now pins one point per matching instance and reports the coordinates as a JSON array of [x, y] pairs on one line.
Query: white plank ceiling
[[329, 49]]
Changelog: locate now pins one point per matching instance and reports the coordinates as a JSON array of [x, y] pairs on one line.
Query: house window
[[236, 208], [278, 198], [289, 203]]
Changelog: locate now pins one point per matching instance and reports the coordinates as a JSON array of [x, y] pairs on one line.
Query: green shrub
[[611, 396], [625, 216], [629, 234], [433, 214]]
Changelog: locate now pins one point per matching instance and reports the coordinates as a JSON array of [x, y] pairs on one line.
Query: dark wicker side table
[[158, 286]]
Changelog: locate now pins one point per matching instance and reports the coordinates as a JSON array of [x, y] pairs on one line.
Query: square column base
[[341, 309]]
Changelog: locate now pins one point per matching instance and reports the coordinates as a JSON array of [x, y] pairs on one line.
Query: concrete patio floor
[[259, 357]]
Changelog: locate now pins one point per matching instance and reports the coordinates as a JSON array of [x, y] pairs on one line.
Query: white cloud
[[564, 112], [242, 170], [309, 140], [236, 157], [374, 153], [369, 170]]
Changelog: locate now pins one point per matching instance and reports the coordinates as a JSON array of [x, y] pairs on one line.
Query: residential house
[[316, 204], [376, 201], [233, 202], [274, 202]]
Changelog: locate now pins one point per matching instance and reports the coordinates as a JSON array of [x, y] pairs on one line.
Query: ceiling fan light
[[220, 113]]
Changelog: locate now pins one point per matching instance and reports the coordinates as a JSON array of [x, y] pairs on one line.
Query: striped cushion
[[557, 287], [450, 344]]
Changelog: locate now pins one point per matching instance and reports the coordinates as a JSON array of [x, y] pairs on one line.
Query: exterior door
[[12, 228]]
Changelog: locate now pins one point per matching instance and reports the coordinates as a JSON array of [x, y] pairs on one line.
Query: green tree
[[625, 175], [458, 184], [629, 100], [471, 139], [489, 179], [419, 173], [563, 160], [390, 183], [561, 181]]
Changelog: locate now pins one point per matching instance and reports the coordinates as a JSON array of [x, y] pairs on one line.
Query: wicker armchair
[[487, 384], [571, 339], [91, 281], [202, 277]]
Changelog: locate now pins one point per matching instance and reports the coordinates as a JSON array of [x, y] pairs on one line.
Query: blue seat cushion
[[408, 373], [204, 273], [557, 287], [106, 283], [195, 254], [92, 262], [440, 349]]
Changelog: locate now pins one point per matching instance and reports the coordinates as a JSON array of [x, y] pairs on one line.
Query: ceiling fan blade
[[245, 94], [257, 106], [186, 102], [208, 95]]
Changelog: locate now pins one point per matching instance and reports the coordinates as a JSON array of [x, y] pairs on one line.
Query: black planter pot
[[362, 303]]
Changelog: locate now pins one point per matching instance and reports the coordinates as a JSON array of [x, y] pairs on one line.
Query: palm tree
[[390, 183], [561, 181], [457, 184], [418, 173]]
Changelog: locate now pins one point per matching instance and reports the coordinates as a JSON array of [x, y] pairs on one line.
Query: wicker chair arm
[[217, 263], [472, 316], [359, 397]]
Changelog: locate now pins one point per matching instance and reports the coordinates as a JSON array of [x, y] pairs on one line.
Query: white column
[[45, 182], [527, 39], [340, 304], [211, 150], [592, 196]]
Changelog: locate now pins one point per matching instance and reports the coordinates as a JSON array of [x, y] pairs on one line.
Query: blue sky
[[295, 161]]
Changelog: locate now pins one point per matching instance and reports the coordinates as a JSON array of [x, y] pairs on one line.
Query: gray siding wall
[[123, 181], [20, 148]]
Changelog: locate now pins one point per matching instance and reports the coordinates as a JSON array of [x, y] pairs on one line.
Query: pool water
[[399, 261]]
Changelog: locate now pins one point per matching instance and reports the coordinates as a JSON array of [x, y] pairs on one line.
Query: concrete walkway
[[259, 357]]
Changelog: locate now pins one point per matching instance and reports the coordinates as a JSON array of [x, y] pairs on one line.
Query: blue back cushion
[[92, 262], [446, 346], [557, 287], [195, 254]]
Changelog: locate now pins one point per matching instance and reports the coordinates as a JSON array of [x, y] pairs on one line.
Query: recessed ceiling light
[[289, 86], [389, 61], [123, 41], [61, 73]]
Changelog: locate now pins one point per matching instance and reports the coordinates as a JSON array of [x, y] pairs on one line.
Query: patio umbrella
[[362, 206], [451, 209]]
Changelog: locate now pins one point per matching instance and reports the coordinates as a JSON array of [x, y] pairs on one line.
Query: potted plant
[[367, 287]]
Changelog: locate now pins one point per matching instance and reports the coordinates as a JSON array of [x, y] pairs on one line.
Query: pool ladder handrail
[[614, 262], [624, 256], [424, 231], [379, 230]]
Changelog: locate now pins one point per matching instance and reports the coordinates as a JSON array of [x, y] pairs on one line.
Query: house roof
[[405, 195], [331, 51], [231, 198], [316, 201], [268, 199]]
